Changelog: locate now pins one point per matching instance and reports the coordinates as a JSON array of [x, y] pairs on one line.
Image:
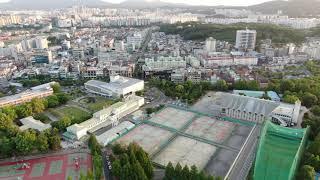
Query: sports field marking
[[10, 170], [38, 170], [55, 167], [75, 174], [80, 156]]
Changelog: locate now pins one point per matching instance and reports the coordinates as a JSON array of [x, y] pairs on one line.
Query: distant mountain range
[[55, 4], [291, 7]]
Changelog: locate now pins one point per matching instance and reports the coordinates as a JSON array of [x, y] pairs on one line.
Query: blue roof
[[258, 94]]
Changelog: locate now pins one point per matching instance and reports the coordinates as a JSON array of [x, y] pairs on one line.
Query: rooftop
[[31, 123], [117, 82]]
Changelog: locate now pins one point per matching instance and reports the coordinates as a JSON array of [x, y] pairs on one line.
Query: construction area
[[190, 138], [48, 167]]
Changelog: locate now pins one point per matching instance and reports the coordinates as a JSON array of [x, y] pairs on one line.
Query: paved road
[[243, 164], [50, 116], [107, 172], [303, 110]]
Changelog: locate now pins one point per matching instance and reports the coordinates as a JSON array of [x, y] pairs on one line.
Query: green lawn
[[100, 103], [75, 114]]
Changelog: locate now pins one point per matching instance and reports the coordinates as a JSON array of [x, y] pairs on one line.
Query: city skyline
[[195, 2]]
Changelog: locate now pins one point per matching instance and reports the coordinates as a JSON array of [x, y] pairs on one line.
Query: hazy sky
[[200, 2]]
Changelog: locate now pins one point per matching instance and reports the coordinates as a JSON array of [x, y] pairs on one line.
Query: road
[[303, 110], [107, 172], [244, 161]]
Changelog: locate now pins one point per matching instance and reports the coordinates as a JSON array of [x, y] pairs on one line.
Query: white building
[[211, 44], [164, 63], [31, 123], [106, 117], [41, 43], [246, 39], [255, 109], [114, 133], [117, 87]]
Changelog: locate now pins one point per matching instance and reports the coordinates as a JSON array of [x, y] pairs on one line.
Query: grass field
[[75, 114], [100, 103]]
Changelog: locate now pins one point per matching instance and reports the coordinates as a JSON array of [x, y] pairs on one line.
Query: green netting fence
[[279, 152]]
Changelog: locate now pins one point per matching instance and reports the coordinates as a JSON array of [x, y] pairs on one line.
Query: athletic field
[[58, 167]]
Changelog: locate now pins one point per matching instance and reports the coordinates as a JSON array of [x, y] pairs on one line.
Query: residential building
[[211, 44], [246, 39]]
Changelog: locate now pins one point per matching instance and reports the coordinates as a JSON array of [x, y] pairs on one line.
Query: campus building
[[40, 91], [117, 87], [31, 123], [256, 110], [107, 117]]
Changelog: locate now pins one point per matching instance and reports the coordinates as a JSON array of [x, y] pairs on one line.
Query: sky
[[199, 2]]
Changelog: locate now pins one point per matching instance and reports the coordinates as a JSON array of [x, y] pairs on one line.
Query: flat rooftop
[[116, 83]]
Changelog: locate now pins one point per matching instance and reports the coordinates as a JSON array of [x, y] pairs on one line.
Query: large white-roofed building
[[117, 87], [255, 109], [31, 123], [105, 117], [109, 136]]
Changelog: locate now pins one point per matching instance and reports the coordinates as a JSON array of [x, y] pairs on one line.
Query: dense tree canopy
[[131, 162], [199, 31]]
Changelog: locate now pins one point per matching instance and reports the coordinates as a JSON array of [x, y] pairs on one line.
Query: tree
[[62, 98], [7, 146], [315, 147], [202, 176], [116, 168], [24, 110], [10, 112], [316, 110], [94, 145], [138, 171], [185, 172], [25, 141], [90, 175], [37, 105], [42, 142], [309, 99], [125, 172], [221, 85], [287, 85], [5, 122], [54, 139], [193, 172], [118, 149], [169, 172], [56, 87], [97, 162], [178, 171], [290, 99], [306, 173], [145, 162], [53, 101], [62, 124]]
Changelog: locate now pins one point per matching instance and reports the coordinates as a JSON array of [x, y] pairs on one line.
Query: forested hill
[[198, 31]]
